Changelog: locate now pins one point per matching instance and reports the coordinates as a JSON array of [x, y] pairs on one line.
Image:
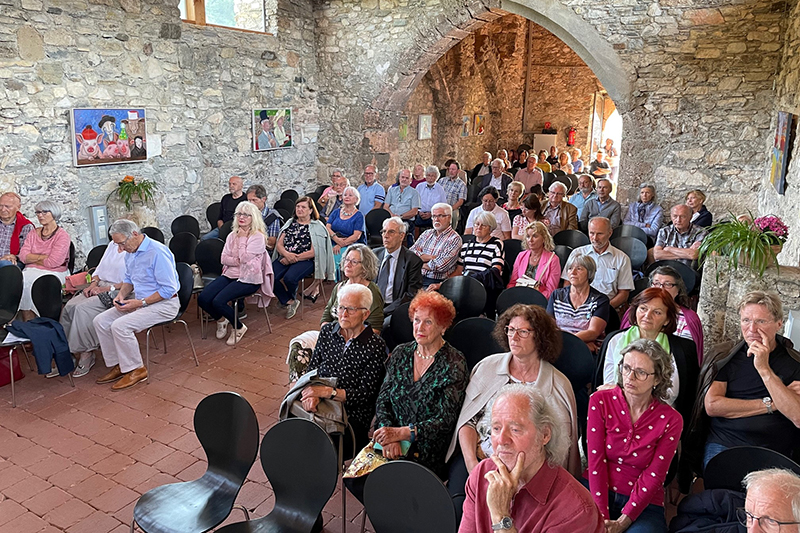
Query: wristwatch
[[144, 302], [768, 402], [505, 523], [334, 393]]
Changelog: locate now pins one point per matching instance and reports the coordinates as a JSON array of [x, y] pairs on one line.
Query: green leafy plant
[[129, 191], [744, 242]]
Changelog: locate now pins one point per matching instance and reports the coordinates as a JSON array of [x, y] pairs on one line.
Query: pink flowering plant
[[773, 227], [744, 241]]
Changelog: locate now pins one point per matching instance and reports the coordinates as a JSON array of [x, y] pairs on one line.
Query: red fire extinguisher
[[571, 137]]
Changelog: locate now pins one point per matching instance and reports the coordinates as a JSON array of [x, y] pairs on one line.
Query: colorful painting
[[782, 150], [465, 126], [272, 129], [425, 130], [480, 125], [108, 136], [402, 129]]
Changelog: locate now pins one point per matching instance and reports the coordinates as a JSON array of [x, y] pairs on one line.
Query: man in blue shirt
[[646, 213], [403, 201], [257, 195], [150, 272], [430, 194], [603, 205], [372, 193], [584, 193]]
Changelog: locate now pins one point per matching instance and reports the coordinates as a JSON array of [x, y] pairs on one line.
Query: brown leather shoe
[[112, 376], [131, 378]]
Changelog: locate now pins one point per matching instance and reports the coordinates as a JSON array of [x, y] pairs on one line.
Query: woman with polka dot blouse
[[632, 436]]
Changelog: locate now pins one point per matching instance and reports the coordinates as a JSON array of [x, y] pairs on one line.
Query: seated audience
[[482, 168], [523, 487], [438, 247], [645, 213], [772, 502], [559, 215], [632, 436], [537, 266], [701, 216], [44, 252], [530, 174], [331, 197], [14, 228], [489, 196], [403, 201], [552, 157], [371, 192], [513, 206], [579, 308], [564, 162], [228, 205], [543, 164], [681, 240], [577, 162], [498, 178], [483, 259], [417, 176], [245, 269], [257, 195], [303, 249], [430, 193], [599, 168], [531, 212], [521, 160], [351, 352], [346, 224], [502, 155], [584, 193], [455, 190], [360, 267], [400, 271], [603, 205]]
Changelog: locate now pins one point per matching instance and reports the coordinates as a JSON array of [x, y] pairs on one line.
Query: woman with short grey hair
[[645, 213], [484, 258], [360, 267]]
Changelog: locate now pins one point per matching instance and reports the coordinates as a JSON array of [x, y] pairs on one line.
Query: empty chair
[[727, 469], [520, 295], [227, 428], [570, 237], [188, 224], [285, 203], [225, 230], [563, 252], [511, 249], [374, 223], [473, 338], [208, 256], [400, 325], [632, 231], [182, 245], [467, 294], [688, 274], [635, 249], [212, 213], [577, 364], [290, 194], [94, 257], [154, 233]]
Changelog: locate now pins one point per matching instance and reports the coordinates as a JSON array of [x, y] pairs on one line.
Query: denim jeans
[[5, 263], [213, 234], [288, 277], [216, 296], [651, 520], [712, 449]]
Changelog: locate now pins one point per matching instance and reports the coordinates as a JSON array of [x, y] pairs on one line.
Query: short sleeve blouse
[[297, 238], [345, 227]]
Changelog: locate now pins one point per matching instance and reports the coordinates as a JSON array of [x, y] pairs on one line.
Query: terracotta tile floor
[[76, 460]]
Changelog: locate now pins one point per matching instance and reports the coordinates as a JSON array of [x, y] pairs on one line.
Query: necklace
[[418, 353], [349, 214]]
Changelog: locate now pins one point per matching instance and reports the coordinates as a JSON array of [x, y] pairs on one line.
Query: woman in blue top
[[346, 225]]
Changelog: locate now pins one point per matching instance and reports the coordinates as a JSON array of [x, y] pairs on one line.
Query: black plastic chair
[[285, 203], [639, 285], [374, 223], [511, 249], [402, 496], [290, 194], [208, 256], [46, 296], [688, 274], [727, 469], [320, 189], [285, 215], [154, 233], [314, 196], [574, 184], [519, 295], [631, 231], [473, 338], [94, 257], [467, 294], [300, 462], [401, 328], [635, 249], [227, 428], [577, 364], [467, 238], [212, 213], [563, 252], [188, 224], [71, 260], [183, 245], [225, 230], [571, 237], [186, 279]]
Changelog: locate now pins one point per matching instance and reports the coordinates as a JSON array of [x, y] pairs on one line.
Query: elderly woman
[[565, 162], [579, 308], [537, 266], [303, 248], [346, 223], [700, 215], [689, 326], [355, 355], [645, 213], [531, 212], [577, 162], [245, 268], [360, 267], [45, 251], [632, 436], [515, 190], [543, 164], [534, 344]]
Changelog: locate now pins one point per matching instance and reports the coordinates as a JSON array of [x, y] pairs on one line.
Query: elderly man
[[147, 297], [613, 277], [372, 193], [603, 205], [488, 197], [400, 272], [750, 389], [403, 201], [522, 487], [530, 174], [558, 214], [228, 205], [438, 247], [772, 502], [482, 168], [331, 197], [430, 193], [599, 168], [680, 241], [584, 193], [646, 213], [257, 195], [455, 191], [14, 227], [498, 178]]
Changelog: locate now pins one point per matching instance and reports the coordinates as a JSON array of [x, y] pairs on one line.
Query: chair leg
[[243, 509], [147, 353], [11, 371], [302, 298], [155, 344], [235, 320], [27, 357], [191, 343], [133, 525], [269, 324], [71, 381], [164, 336]]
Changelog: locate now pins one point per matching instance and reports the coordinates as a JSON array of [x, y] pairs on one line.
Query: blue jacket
[[49, 341]]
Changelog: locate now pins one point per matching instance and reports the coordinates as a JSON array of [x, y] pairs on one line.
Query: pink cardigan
[[246, 259], [56, 248], [548, 273]]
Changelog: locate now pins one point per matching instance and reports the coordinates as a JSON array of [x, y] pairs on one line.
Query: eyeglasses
[[37, 213], [347, 310], [390, 232], [352, 261], [746, 322], [638, 373], [523, 333], [243, 215], [769, 525], [439, 216], [664, 285]]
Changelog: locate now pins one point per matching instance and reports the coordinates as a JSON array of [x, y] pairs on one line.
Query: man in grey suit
[[400, 272]]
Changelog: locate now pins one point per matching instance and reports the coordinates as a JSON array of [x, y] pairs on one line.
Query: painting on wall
[[425, 130], [272, 129], [480, 125], [465, 122], [782, 150], [108, 136], [402, 129]]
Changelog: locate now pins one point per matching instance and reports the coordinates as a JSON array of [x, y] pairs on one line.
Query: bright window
[[250, 15]]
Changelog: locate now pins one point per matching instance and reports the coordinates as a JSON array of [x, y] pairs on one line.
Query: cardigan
[[548, 272], [242, 257], [324, 265]]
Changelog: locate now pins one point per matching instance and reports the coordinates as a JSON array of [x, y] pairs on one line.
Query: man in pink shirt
[[531, 174], [522, 488]]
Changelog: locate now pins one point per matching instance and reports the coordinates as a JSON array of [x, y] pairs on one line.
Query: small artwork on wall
[[108, 136], [465, 126], [480, 125], [425, 130], [782, 150], [402, 129], [272, 129]]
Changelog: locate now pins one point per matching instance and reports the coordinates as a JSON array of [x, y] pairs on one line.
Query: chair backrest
[[519, 295], [563, 252], [186, 281], [511, 249], [467, 294], [225, 230], [314, 196], [635, 249], [95, 255], [301, 465], [374, 221], [187, 223], [571, 237], [630, 231], [577, 363], [285, 203], [212, 213], [639, 284], [154, 233], [285, 215], [574, 187], [46, 296], [473, 338], [10, 296], [400, 324], [290, 194], [182, 245], [467, 238], [400, 496], [71, 260], [321, 189], [208, 256], [688, 274], [727, 469]]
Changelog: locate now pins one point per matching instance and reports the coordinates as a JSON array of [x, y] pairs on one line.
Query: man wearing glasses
[[773, 502], [372, 193], [438, 247], [603, 205], [400, 272], [558, 214], [14, 227]]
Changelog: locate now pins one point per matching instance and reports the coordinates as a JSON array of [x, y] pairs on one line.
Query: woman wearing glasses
[[360, 267], [245, 269], [534, 344], [346, 224], [632, 436]]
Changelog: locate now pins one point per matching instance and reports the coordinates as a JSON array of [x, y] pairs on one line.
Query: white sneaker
[[292, 309], [236, 335], [222, 328], [83, 367]]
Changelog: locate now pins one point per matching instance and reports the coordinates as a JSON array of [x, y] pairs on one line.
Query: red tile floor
[[76, 460]]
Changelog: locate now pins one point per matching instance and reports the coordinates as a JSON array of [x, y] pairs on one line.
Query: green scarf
[[632, 334]]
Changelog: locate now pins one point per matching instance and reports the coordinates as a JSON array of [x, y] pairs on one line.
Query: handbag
[[5, 374], [330, 415], [197, 276], [527, 281], [76, 282], [367, 460]]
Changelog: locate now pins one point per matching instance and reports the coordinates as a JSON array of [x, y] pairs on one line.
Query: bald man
[[228, 207], [14, 227], [680, 241]]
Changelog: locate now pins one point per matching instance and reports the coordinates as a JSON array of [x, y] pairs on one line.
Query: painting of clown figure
[[108, 136], [272, 129]]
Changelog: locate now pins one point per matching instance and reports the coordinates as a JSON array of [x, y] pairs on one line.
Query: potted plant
[[129, 190], [751, 243]]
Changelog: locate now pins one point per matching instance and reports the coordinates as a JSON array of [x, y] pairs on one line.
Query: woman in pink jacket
[[537, 266]]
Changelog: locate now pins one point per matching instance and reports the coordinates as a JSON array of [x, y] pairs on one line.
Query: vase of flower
[[747, 242]]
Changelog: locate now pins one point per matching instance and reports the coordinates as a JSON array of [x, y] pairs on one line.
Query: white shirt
[[500, 214], [112, 265], [613, 270]]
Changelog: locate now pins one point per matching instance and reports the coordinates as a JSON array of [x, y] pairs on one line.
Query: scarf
[[20, 223], [632, 334], [642, 211]]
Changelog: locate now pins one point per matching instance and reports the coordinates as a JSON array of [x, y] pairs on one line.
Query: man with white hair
[[482, 168], [400, 271], [603, 205], [498, 178], [372, 192], [559, 214], [331, 198], [14, 227], [430, 193], [522, 487], [772, 503], [438, 247], [645, 213]]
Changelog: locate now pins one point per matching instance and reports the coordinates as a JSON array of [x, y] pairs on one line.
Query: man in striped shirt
[[456, 191], [438, 247]]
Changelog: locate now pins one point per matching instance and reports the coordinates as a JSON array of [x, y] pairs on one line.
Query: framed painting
[[781, 151], [272, 129], [402, 128], [103, 136], [465, 123], [425, 130], [480, 125]]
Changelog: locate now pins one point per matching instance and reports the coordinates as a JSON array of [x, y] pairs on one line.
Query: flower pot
[[745, 261]]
